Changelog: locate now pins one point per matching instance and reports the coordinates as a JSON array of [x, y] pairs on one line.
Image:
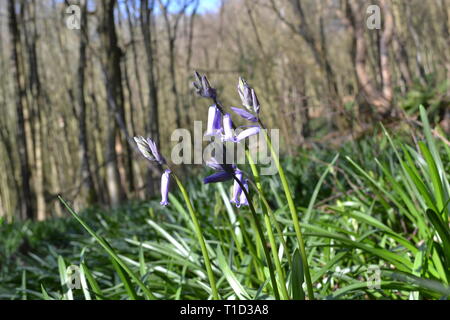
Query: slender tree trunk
[[317, 48], [146, 16], [37, 109], [98, 155], [380, 99], [135, 58], [173, 80], [26, 196], [188, 99], [131, 127], [191, 35], [7, 140], [4, 134], [171, 37], [113, 82], [153, 123], [89, 194]]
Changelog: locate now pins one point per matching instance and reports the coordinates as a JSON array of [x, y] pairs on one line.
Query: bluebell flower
[[224, 172], [149, 150], [237, 190], [165, 181], [220, 176], [247, 133], [248, 96], [245, 93], [203, 87], [227, 128], [229, 134], [243, 199], [244, 114], [214, 125]]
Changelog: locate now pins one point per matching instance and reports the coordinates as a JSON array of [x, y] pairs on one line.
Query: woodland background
[[71, 100]]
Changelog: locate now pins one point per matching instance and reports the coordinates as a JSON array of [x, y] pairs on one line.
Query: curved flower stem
[[200, 238], [273, 245], [267, 212], [261, 237], [253, 251], [293, 211], [268, 215]]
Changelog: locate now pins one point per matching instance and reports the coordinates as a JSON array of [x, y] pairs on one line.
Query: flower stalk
[[150, 151], [261, 238], [293, 211], [251, 103], [200, 238]]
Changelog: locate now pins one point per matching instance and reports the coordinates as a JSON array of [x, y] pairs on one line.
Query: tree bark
[[89, 194], [380, 99], [26, 195], [146, 16], [114, 98], [135, 57], [37, 106], [319, 50]]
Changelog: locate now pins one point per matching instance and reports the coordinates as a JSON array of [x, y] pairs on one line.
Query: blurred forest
[[71, 100]]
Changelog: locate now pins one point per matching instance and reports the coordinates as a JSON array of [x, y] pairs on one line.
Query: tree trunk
[[89, 193], [26, 196], [318, 49], [380, 99], [114, 98], [153, 123], [135, 58], [37, 105]]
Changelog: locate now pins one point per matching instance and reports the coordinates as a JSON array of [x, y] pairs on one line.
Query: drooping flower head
[[244, 114], [228, 131], [237, 190], [214, 125], [203, 87], [247, 133], [224, 171], [149, 150], [220, 176], [243, 199], [165, 182]]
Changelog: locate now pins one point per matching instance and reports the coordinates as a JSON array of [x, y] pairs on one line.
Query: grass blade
[[109, 250], [297, 277]]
